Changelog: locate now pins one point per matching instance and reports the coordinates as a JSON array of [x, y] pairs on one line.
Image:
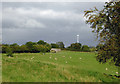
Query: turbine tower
[[77, 38]]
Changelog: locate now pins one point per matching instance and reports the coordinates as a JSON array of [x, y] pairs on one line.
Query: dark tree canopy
[[60, 44], [85, 48], [28, 47], [9, 52], [41, 42], [15, 47], [53, 45], [23, 48], [76, 46], [106, 23]]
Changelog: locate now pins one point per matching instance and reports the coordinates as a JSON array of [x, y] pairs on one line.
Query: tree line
[[78, 47], [29, 47], [42, 46]]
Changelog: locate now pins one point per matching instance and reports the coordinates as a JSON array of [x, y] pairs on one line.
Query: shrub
[[85, 48], [9, 52]]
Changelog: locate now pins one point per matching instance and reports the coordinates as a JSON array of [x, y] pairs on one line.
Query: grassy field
[[64, 66]]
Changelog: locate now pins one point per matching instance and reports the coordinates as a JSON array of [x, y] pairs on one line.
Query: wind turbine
[[77, 38]]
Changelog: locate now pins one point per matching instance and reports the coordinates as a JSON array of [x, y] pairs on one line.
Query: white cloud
[[48, 13], [19, 18], [33, 24], [31, 18], [67, 15]]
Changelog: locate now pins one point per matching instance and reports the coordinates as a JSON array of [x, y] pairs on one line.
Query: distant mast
[[77, 38]]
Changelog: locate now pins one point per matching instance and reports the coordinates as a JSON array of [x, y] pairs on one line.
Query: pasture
[[64, 66]]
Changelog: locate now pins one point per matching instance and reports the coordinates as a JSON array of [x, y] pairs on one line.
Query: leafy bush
[[74, 47], [85, 48], [53, 45], [93, 49], [9, 52], [41, 42]]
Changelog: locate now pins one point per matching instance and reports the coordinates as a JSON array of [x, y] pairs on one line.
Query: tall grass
[[64, 66]]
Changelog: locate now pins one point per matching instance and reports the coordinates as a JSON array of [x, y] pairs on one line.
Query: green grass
[[0, 67], [64, 66]]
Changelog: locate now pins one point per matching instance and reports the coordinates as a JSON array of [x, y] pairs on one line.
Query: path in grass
[[64, 66]]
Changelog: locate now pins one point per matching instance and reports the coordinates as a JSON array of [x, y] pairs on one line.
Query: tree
[[30, 46], [4, 47], [23, 49], [92, 49], [99, 47], [48, 47], [15, 47], [9, 52], [0, 48], [53, 45], [43, 49], [85, 48], [14, 44], [106, 23], [37, 48], [75, 46], [60, 44], [41, 42]]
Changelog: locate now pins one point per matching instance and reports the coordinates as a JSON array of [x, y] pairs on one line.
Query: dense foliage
[[9, 52], [85, 48], [60, 44], [54, 45], [29, 47], [106, 23], [41, 46], [78, 47], [75, 46]]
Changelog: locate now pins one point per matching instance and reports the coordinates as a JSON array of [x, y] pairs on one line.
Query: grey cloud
[[51, 22]]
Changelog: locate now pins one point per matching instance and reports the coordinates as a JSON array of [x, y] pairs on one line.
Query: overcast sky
[[48, 21]]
